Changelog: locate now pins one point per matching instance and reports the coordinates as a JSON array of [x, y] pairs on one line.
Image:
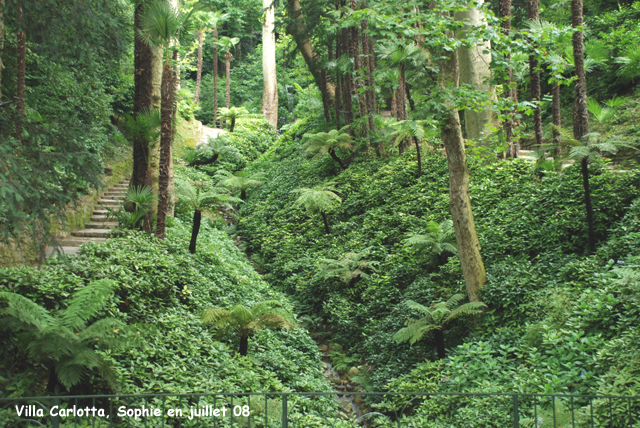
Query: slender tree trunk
[[243, 194], [270, 86], [368, 94], [338, 91], [407, 89], [244, 345], [325, 101], [580, 112], [394, 104], [459, 200], [199, 76], [401, 94], [141, 102], [197, 218], [166, 136], [20, 70], [475, 70], [215, 79], [439, 336], [534, 75], [355, 54], [508, 125], [347, 78], [157, 67], [297, 31], [415, 140], [227, 68], [52, 384], [557, 118], [327, 229], [2, 6], [233, 124], [335, 157]]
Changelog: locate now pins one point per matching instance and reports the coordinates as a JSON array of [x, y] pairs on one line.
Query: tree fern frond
[[417, 307], [274, 321], [107, 330], [471, 308], [214, 315], [86, 303], [25, 310]]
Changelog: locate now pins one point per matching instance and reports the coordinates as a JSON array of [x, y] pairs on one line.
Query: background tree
[[232, 114], [216, 19], [226, 44], [202, 22], [270, 81], [202, 200], [241, 180], [65, 341], [247, 322], [436, 319], [320, 199], [533, 14], [328, 142]]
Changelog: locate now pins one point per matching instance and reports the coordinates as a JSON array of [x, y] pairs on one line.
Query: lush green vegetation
[[384, 217]]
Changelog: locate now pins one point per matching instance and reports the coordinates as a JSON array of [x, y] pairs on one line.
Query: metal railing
[[323, 409]]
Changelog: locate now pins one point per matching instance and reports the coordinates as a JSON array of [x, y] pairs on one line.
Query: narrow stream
[[351, 406]]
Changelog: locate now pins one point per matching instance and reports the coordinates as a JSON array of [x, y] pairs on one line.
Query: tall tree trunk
[[296, 30], [338, 91], [20, 70], [270, 86], [197, 218], [347, 79], [533, 10], [459, 200], [508, 125], [199, 76], [244, 345], [166, 137], [368, 94], [557, 118], [327, 229], [2, 6], [415, 140], [335, 157], [143, 91], [233, 124], [215, 78], [355, 54], [439, 336], [474, 70], [580, 112], [401, 103], [227, 69], [157, 67]]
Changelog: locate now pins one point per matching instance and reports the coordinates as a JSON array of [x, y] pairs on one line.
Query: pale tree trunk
[[20, 66], [474, 70], [176, 86], [533, 13], [580, 112], [227, 69], [459, 200], [509, 93], [270, 86], [196, 99], [166, 137], [2, 5], [156, 103], [215, 78], [296, 30], [557, 118]]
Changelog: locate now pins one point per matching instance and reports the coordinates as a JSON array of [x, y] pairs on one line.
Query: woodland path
[[99, 228], [208, 132]]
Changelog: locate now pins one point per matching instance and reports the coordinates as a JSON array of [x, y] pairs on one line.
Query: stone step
[[99, 218], [92, 233], [101, 225], [62, 250], [118, 194], [100, 212], [109, 202], [72, 241]]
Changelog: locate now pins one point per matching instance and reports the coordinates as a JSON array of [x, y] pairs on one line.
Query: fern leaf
[[471, 308], [26, 311], [86, 303]]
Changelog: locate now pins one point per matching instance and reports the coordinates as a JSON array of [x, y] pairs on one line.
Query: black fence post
[[516, 416]]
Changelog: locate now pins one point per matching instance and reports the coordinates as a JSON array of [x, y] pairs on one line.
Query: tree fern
[[321, 198], [327, 142], [438, 241], [241, 180], [209, 152], [629, 63], [349, 268], [233, 114]]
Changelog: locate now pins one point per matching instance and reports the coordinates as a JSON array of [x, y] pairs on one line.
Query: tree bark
[[270, 86], [338, 91], [199, 76], [2, 6], [534, 75], [508, 125], [166, 137], [244, 345], [580, 112], [439, 336], [327, 229], [227, 68], [459, 200], [141, 102], [347, 79], [233, 124], [243, 194], [475, 70], [20, 69], [215, 78], [557, 118], [415, 140], [197, 218], [154, 146], [335, 157], [369, 93], [296, 30]]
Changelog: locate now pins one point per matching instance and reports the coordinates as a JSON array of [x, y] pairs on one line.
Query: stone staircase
[[530, 156], [99, 228]]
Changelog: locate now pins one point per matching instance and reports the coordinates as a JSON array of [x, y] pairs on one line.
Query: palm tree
[[435, 319], [416, 130], [209, 152], [202, 201], [65, 341], [226, 43], [216, 18], [246, 322], [163, 26], [439, 240], [241, 181], [318, 199], [232, 114], [350, 268], [328, 142]]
